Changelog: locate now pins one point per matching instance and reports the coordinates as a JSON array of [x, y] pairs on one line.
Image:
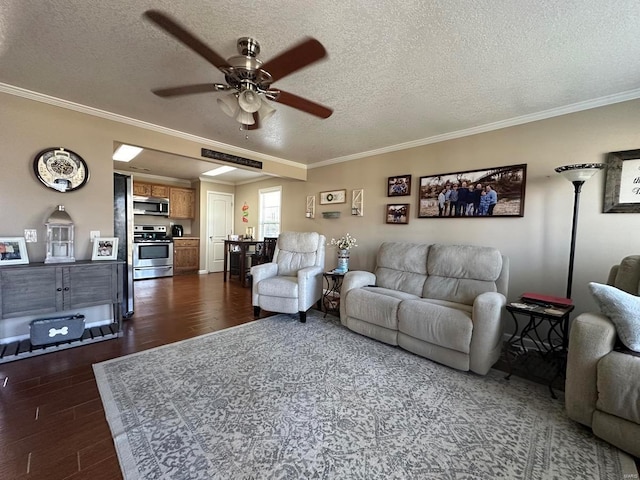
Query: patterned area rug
[[278, 399]]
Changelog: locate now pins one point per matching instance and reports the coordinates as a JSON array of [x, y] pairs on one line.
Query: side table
[[331, 295], [545, 333]]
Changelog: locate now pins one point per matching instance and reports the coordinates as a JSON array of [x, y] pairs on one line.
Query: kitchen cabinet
[[186, 255], [142, 189], [40, 289], [150, 190], [182, 203]]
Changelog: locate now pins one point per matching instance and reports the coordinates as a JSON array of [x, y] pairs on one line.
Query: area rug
[[279, 399]]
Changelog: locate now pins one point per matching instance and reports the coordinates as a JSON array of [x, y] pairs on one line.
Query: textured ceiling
[[397, 72]]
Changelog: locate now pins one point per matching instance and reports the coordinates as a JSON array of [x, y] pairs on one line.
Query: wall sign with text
[[622, 184]]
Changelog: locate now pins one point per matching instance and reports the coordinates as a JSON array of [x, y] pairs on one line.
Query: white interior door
[[219, 225]]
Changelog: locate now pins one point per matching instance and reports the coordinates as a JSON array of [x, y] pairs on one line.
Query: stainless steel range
[[152, 252]]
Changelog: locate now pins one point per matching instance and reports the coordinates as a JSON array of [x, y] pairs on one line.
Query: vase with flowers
[[344, 245]]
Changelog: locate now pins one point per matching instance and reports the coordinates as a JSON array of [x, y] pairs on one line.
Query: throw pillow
[[624, 311]]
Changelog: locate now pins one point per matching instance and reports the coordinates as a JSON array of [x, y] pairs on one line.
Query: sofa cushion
[[437, 324], [618, 386], [459, 273], [627, 276], [305, 242], [286, 287], [296, 250], [290, 262], [624, 311], [372, 307], [402, 266], [391, 293]]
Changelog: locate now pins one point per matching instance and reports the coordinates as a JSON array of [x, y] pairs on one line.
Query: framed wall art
[[488, 192], [397, 213], [13, 251], [622, 182], [334, 196], [105, 248], [399, 186]]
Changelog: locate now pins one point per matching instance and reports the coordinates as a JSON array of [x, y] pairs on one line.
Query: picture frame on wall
[[622, 182], [333, 196], [397, 213], [105, 248], [399, 186], [482, 193], [13, 251]]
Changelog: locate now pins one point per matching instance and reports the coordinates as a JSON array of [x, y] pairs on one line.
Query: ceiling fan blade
[[256, 119], [300, 56], [181, 34], [301, 104], [186, 90]]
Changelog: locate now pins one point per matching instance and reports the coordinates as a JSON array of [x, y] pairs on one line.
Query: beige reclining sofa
[[602, 389], [443, 302]]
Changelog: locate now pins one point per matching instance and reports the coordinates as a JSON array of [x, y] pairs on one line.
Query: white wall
[[537, 244]]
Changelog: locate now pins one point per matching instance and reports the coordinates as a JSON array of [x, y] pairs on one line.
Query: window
[[270, 200]]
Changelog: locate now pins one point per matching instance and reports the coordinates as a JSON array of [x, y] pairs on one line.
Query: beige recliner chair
[[292, 281], [602, 388]]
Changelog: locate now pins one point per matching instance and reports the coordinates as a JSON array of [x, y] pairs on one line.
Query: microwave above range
[[150, 206]]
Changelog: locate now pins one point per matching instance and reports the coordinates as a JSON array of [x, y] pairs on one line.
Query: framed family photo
[[487, 192], [622, 183], [399, 186], [397, 213], [13, 251], [105, 248]]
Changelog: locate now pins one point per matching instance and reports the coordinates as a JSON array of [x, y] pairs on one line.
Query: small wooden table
[[331, 295], [551, 345], [241, 247]]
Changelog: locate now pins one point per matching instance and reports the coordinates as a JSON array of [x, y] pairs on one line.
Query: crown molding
[[546, 114], [96, 112], [534, 117]]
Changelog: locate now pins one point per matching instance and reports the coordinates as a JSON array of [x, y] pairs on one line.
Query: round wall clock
[[61, 169]]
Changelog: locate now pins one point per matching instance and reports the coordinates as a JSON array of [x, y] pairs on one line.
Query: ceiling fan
[[248, 79]]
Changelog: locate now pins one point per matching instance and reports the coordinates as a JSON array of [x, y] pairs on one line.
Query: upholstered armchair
[[292, 281], [602, 389]]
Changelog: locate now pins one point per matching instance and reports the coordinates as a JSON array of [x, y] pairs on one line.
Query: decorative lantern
[[60, 237]]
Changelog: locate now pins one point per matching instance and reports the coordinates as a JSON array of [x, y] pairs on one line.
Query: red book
[[546, 300]]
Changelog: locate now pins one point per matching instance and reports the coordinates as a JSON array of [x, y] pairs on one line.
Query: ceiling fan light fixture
[[245, 118], [229, 105], [249, 101], [266, 111]]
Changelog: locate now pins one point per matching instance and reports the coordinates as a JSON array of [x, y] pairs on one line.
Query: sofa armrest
[[592, 336], [258, 273], [309, 287], [486, 339], [353, 279]]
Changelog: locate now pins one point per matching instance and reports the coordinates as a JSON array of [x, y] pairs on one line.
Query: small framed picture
[[399, 186], [13, 251], [398, 213], [105, 248], [334, 196]]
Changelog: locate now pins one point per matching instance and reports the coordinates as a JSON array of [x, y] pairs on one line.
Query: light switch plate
[[93, 234], [30, 235]]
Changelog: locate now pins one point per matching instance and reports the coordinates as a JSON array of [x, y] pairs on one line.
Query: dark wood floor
[[52, 424]]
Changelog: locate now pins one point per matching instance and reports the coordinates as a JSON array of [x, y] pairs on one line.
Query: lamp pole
[[577, 186], [576, 174]]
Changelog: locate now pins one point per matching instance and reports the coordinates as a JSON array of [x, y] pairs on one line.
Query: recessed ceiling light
[[219, 171], [126, 153]]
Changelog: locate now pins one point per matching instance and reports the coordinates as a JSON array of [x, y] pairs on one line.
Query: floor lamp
[[576, 174]]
